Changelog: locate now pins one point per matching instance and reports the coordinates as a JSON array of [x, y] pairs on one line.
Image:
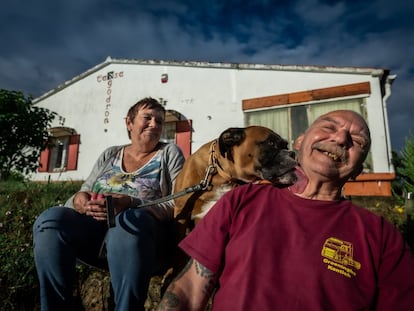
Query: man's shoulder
[[257, 190]]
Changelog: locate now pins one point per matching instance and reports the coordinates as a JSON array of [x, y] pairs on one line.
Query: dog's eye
[[280, 144]]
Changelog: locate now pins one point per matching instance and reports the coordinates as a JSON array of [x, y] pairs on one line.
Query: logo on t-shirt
[[339, 257]]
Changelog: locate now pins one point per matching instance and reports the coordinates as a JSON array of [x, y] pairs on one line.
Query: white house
[[203, 99]]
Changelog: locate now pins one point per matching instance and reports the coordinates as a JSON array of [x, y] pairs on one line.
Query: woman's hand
[[90, 204], [96, 207], [80, 201], [121, 202]]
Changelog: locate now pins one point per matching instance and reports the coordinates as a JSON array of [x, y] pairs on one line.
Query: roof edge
[[203, 64]]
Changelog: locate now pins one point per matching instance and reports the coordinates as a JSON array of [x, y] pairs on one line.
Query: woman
[[140, 172]]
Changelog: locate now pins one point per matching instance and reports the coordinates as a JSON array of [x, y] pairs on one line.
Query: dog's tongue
[[300, 185]]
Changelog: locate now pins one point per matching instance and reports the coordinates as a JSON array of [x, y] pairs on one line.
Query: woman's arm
[[190, 290], [171, 165], [101, 163]]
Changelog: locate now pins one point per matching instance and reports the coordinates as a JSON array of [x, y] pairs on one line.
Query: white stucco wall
[[210, 96]]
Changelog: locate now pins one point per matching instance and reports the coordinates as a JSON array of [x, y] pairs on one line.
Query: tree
[[23, 133], [398, 184], [406, 165]]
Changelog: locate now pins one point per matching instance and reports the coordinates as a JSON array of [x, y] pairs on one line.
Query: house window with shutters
[[62, 151], [177, 130], [291, 114]]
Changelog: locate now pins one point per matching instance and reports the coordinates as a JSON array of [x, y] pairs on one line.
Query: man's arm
[[190, 290]]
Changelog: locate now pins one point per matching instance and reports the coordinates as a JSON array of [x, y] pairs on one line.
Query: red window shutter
[[44, 161], [73, 148], [183, 136]]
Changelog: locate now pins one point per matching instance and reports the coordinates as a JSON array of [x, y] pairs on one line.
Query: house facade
[[203, 99]]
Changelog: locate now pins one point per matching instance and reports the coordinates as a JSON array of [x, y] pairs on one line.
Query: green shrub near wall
[[21, 202], [393, 209]]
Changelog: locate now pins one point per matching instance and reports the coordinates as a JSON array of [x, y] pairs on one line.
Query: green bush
[[20, 204], [406, 170]]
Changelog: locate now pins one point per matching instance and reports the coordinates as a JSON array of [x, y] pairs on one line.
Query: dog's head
[[256, 153]]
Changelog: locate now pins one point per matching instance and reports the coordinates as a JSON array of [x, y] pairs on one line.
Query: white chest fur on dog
[[208, 203]]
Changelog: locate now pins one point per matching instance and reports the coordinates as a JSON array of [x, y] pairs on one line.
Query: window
[[58, 154], [289, 122], [168, 132], [290, 115], [62, 152], [177, 129]]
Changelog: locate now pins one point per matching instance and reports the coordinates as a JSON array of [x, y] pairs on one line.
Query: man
[[303, 247]]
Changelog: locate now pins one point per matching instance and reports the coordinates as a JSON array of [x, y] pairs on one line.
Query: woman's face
[[147, 126]]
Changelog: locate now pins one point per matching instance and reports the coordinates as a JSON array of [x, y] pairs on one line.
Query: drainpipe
[[388, 81]]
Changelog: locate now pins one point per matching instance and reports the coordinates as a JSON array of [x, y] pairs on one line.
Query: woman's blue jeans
[[136, 248]]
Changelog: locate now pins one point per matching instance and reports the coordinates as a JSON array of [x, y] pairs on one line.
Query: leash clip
[[210, 171]]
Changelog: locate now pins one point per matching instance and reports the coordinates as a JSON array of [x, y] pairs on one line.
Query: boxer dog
[[254, 154], [237, 156]]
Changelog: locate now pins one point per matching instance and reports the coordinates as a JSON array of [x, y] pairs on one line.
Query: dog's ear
[[233, 136]]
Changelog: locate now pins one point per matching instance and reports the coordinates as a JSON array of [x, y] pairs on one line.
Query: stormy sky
[[45, 43]]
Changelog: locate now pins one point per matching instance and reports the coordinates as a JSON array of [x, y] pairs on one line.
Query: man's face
[[334, 147]]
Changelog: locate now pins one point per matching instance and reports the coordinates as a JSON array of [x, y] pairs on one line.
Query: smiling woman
[[127, 176]]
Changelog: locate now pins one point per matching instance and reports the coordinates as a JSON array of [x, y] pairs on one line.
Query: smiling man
[[302, 247], [332, 151]]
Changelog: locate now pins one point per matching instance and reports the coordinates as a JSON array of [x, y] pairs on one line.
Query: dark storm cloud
[[45, 43]]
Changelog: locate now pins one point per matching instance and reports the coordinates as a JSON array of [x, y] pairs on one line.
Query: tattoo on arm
[[208, 275], [202, 271], [169, 301], [173, 301]]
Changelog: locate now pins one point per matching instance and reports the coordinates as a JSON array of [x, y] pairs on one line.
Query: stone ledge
[[95, 292]]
